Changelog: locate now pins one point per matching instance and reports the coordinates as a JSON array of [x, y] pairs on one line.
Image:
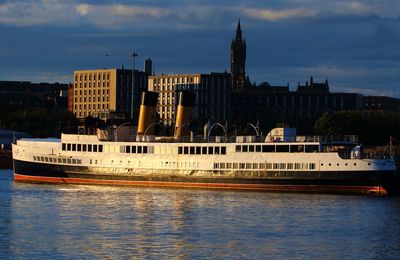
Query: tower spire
[[238, 61], [238, 31]]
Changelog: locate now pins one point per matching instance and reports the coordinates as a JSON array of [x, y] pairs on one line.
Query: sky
[[355, 45]]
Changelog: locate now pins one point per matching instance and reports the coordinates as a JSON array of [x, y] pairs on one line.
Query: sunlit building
[[212, 95], [107, 93]]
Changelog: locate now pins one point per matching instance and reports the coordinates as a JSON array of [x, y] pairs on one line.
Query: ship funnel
[[147, 113], [184, 113]]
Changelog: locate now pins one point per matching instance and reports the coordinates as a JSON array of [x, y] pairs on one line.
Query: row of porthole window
[[338, 164], [57, 160], [265, 166], [179, 164]]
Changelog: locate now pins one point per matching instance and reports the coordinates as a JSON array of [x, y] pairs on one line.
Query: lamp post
[[133, 55]]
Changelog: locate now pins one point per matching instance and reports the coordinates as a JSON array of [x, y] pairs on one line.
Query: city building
[[108, 93], [212, 95], [238, 61], [381, 104], [16, 95], [277, 104]]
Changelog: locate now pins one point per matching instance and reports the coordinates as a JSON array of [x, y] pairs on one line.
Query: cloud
[[275, 15], [83, 9]]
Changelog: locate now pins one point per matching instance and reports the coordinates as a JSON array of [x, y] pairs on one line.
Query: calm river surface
[[75, 222]]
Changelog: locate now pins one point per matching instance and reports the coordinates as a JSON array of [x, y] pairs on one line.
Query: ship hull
[[378, 183]]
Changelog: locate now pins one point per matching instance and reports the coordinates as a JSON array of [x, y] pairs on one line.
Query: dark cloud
[[353, 44]]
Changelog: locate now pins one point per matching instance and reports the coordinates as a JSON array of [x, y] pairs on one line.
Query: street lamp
[[133, 55]]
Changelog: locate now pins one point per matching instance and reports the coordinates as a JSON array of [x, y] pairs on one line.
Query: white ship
[[281, 161]]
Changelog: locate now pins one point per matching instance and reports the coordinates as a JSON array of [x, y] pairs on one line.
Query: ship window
[[69, 161], [290, 166], [238, 148], [46, 159], [305, 166], [185, 150], [34, 158], [311, 148], [245, 148], [217, 150], [198, 150], [191, 150], [59, 160], [241, 165], [215, 165], [84, 147], [269, 165], [64, 160], [68, 147], [63, 147], [100, 148], [297, 148], [258, 148], [210, 150], [79, 161], [204, 150], [355, 164], [369, 163], [248, 165], [255, 165], [128, 149], [297, 166], [275, 166], [223, 150], [139, 149], [229, 165], [251, 148], [282, 148], [312, 166], [282, 166], [262, 166], [268, 148], [144, 149], [235, 165], [222, 166], [73, 161], [122, 149], [74, 147], [94, 148], [89, 147], [180, 150], [133, 149], [79, 147]]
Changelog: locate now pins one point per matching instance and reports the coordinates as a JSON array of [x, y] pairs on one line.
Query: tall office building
[[108, 93], [212, 95], [148, 66], [238, 61]]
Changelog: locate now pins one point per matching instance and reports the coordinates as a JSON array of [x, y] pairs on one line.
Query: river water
[[75, 222]]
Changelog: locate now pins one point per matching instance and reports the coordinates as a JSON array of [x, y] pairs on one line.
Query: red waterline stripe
[[266, 187]]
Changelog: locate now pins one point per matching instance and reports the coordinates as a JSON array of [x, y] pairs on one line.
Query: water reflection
[[113, 222]]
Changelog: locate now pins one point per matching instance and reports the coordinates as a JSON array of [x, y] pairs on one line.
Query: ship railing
[[328, 139], [350, 139]]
